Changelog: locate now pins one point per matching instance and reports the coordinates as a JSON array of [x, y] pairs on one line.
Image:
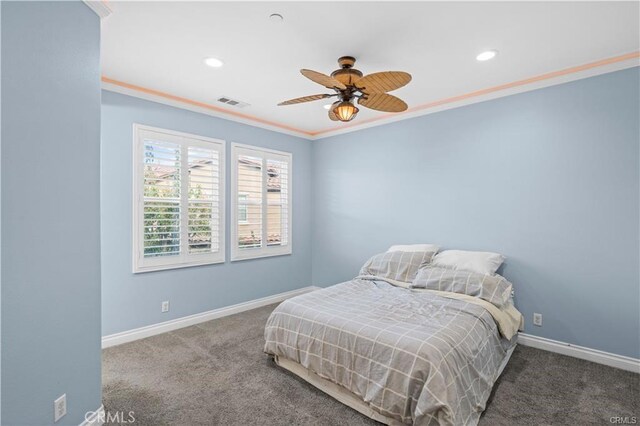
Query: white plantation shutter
[[178, 200], [204, 200], [249, 201], [277, 202], [261, 202], [161, 198]]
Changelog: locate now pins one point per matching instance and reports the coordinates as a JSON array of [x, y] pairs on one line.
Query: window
[[242, 208], [261, 202], [178, 200]]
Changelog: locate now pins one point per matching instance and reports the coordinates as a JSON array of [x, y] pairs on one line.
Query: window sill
[[143, 269], [248, 256]]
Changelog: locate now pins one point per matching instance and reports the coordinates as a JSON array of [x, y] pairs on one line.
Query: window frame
[[141, 264], [264, 250]]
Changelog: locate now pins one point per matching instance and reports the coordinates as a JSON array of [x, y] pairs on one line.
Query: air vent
[[232, 102]]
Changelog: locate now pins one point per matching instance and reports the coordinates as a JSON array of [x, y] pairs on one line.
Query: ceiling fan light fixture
[[345, 111]]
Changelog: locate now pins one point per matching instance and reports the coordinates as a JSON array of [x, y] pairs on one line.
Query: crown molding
[[100, 7], [566, 75], [197, 106]]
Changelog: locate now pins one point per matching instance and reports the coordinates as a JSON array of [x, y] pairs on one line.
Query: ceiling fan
[[349, 84]]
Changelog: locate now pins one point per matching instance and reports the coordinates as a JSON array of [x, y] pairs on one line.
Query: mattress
[[397, 355]]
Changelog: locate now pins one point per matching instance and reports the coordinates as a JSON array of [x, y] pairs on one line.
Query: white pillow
[[482, 262], [414, 248]]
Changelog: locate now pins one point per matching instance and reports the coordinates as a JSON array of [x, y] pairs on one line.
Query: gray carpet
[[215, 373]]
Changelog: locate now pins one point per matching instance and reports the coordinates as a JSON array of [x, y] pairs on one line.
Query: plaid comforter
[[412, 356]]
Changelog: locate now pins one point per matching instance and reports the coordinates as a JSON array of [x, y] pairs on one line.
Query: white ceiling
[[161, 46]]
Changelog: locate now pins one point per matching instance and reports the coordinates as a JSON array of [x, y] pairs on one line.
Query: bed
[[396, 354]]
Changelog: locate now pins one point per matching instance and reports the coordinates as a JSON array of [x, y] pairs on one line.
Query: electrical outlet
[[537, 319], [59, 407], [165, 306]]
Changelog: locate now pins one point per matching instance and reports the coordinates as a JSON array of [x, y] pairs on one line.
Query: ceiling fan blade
[[383, 102], [325, 80], [304, 99], [382, 82]]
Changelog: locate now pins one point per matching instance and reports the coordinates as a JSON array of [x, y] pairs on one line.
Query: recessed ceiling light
[[485, 56], [213, 62], [276, 17], [328, 106]]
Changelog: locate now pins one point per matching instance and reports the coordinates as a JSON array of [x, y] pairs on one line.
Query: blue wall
[[50, 211], [133, 300], [550, 178]]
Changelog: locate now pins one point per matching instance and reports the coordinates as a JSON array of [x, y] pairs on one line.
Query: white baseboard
[[163, 327], [94, 418], [593, 355]]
